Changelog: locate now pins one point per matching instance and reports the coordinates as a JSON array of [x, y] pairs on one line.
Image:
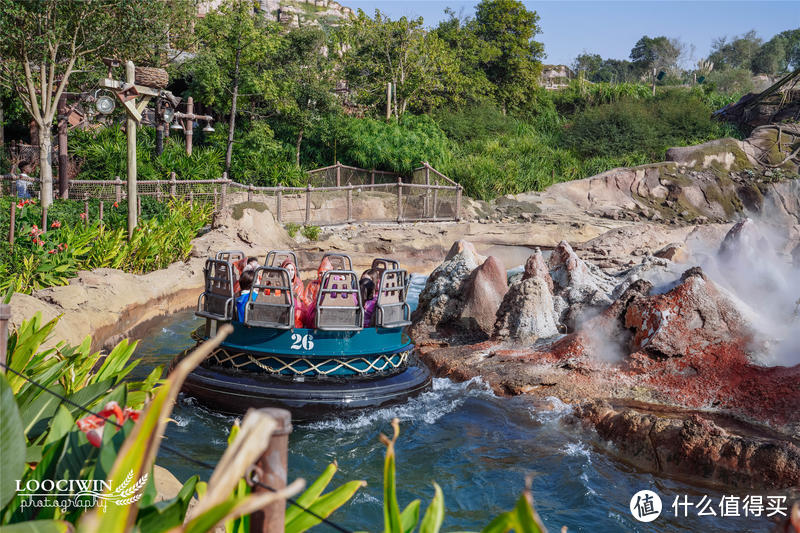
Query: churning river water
[[477, 446]]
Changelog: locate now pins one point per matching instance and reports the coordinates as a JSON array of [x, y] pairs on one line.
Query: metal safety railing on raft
[[336, 194]]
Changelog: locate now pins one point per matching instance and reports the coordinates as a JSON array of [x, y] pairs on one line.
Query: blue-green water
[[477, 446]]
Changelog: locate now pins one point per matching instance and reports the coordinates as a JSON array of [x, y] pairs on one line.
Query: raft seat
[[276, 257], [339, 261], [231, 256], [271, 302], [339, 306], [391, 309], [217, 300]]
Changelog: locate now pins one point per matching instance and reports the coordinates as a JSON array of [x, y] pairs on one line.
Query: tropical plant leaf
[[434, 515], [39, 526], [12, 443]]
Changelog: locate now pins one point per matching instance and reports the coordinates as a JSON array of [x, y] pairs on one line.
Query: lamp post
[[188, 119]]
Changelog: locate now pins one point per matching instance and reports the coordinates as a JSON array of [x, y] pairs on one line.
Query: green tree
[[737, 53], [236, 62], [470, 86], [306, 80], [779, 54], [509, 27], [46, 41], [380, 50], [659, 53], [588, 63]]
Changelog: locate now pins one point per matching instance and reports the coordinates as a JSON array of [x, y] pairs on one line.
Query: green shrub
[[291, 228], [311, 232]]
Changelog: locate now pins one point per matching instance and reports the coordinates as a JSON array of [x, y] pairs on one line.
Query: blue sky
[[612, 28]]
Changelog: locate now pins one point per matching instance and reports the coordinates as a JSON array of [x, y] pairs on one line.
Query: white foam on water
[[557, 412], [444, 397], [578, 449], [180, 421]]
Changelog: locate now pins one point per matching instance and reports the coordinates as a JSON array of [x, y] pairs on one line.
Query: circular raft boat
[[340, 365]]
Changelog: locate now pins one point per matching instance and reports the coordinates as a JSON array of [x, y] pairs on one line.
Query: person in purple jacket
[[367, 288]]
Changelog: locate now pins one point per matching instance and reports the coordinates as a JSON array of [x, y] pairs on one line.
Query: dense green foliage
[[45, 257]]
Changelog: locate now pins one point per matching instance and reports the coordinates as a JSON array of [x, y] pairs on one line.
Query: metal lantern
[[167, 114], [104, 104], [208, 128], [176, 125]]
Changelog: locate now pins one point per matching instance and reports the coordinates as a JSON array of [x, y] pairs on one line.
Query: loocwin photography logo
[[79, 493]]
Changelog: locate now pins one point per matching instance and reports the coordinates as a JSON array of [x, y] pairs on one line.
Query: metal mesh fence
[[334, 195]]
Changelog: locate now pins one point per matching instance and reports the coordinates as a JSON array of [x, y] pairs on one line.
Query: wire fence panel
[[337, 194]]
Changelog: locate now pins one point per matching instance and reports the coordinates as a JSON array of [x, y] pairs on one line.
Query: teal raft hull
[[310, 372]]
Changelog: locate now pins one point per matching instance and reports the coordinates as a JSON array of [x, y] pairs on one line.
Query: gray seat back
[[271, 301], [339, 306], [276, 257], [231, 256], [382, 263], [217, 300], [391, 309], [339, 261]]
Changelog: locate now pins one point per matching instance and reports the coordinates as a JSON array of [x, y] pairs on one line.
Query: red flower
[[51, 251], [55, 224], [83, 216], [20, 205], [93, 425], [116, 204]]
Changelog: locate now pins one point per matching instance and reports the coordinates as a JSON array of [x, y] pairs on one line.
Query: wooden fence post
[[308, 204], [280, 198], [44, 218], [372, 177], [338, 174], [426, 207], [101, 212], [118, 188], [85, 211], [224, 193], [250, 193], [435, 201], [399, 199], [172, 186], [191, 196], [13, 223], [5, 316], [138, 206], [458, 202], [349, 204], [272, 470]]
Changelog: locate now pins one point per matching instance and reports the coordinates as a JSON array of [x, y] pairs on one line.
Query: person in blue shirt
[[245, 284]]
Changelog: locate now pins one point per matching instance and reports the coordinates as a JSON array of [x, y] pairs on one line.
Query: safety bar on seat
[[382, 263], [391, 309], [217, 300], [339, 261], [276, 257], [231, 256], [339, 306], [271, 300]]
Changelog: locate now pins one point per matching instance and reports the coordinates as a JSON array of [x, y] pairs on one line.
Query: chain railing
[[338, 194]]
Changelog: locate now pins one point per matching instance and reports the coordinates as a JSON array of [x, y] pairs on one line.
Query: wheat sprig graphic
[[122, 486], [135, 488]]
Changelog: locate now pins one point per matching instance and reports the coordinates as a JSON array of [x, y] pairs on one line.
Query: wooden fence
[[334, 195]]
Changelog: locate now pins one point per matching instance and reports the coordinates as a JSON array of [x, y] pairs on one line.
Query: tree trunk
[[297, 150], [232, 121], [46, 164], [2, 127]]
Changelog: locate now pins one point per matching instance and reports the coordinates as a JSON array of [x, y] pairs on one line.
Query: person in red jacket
[[311, 292], [299, 292]]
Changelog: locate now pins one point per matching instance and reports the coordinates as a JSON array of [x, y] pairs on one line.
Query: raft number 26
[[304, 342]]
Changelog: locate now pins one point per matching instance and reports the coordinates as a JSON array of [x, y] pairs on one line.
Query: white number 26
[[305, 342]]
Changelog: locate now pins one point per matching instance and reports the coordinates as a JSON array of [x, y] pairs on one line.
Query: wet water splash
[[477, 446]]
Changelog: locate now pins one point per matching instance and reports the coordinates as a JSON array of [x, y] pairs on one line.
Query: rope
[[313, 366], [179, 453]]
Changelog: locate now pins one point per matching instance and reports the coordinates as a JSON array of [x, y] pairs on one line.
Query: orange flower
[[93, 425], [116, 204], [83, 216], [55, 224]]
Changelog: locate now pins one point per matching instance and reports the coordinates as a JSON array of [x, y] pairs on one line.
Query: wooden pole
[[85, 212], [271, 470], [308, 204], [427, 205], [250, 193], [372, 177], [63, 160], [399, 200], [133, 197], [13, 223], [172, 185], [224, 193], [435, 201], [338, 174], [349, 204], [101, 212], [188, 125], [139, 205], [458, 203], [654, 81], [5, 316], [280, 198]]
